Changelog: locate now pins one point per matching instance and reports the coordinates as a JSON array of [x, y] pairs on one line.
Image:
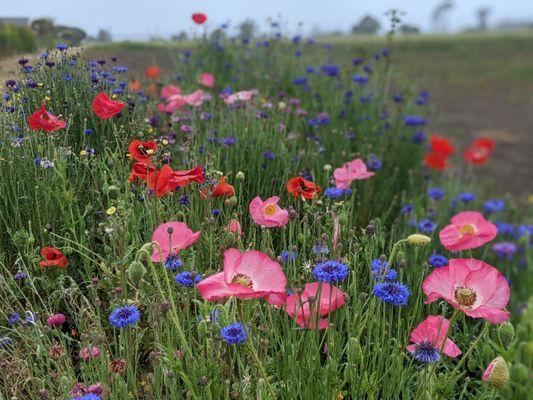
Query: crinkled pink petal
[[181, 238], [493, 315]]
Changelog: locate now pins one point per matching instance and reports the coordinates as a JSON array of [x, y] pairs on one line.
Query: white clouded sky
[[139, 19]]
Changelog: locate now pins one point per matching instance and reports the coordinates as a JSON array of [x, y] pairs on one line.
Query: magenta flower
[[472, 286], [349, 172], [468, 230], [268, 213], [248, 275], [207, 79], [428, 337], [56, 320], [170, 238]]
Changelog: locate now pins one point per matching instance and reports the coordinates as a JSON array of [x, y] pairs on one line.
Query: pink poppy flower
[[195, 98], [234, 226], [428, 337], [170, 238], [207, 79], [349, 172], [169, 91], [245, 95], [307, 311], [476, 288], [468, 230], [248, 275], [268, 213]]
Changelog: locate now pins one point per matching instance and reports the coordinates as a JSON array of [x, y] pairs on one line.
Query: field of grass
[[118, 215]]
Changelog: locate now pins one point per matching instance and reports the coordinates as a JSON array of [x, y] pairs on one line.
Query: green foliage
[[16, 39]]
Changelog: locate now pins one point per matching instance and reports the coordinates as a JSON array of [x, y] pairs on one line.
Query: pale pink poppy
[[268, 213], [234, 226], [248, 275], [349, 172], [170, 90], [170, 238], [476, 288], [428, 337], [195, 98], [207, 79], [468, 230], [174, 103], [245, 95], [308, 311]]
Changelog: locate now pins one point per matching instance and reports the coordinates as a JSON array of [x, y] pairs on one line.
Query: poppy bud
[[233, 200], [240, 176], [520, 373], [136, 272], [418, 240], [506, 333], [497, 373], [301, 238]]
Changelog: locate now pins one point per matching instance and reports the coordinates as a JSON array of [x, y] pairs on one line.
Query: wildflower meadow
[[269, 219]]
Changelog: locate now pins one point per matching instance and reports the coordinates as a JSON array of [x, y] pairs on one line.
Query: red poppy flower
[[183, 178], [106, 108], [152, 72], [43, 120], [479, 151], [141, 151], [301, 187], [53, 258], [223, 189], [199, 18], [141, 170], [441, 145], [160, 181], [135, 86], [436, 161]]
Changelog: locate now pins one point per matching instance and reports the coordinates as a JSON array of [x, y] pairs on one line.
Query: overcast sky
[[141, 19]]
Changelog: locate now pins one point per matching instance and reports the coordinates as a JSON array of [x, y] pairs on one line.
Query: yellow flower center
[[242, 280], [467, 229], [464, 296], [270, 209]]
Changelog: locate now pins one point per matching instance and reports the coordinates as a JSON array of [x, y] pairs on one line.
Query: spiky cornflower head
[[378, 269], [395, 293], [330, 271], [286, 255], [418, 240], [427, 226], [188, 278], [437, 260], [406, 209], [426, 352], [494, 205], [465, 197], [88, 396], [234, 333], [173, 262], [334, 193], [436, 193], [320, 248], [124, 316], [504, 249], [5, 341], [13, 319]]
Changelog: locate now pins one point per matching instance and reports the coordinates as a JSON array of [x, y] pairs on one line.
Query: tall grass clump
[[295, 168], [16, 39]]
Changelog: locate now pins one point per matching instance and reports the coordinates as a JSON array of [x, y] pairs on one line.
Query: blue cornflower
[[124, 316], [524, 230], [505, 228], [406, 209], [427, 226], [504, 249], [426, 352], [13, 319], [310, 69], [5, 341], [465, 197], [414, 120], [88, 396], [334, 193], [19, 275], [88, 131], [494, 205], [62, 46], [330, 271], [378, 269], [418, 137], [437, 260], [395, 293], [320, 248], [234, 333], [397, 98], [215, 212], [288, 255], [184, 200], [269, 155], [298, 53], [360, 79], [214, 316], [374, 163], [229, 141], [301, 80], [188, 278], [330, 70], [173, 262], [436, 193], [31, 317]]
